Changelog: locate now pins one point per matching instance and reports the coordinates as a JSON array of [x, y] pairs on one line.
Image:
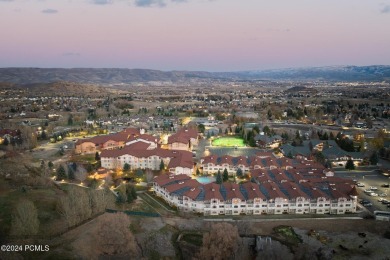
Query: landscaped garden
[[229, 141]]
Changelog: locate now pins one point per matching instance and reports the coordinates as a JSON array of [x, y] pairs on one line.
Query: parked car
[[383, 194], [359, 184], [373, 194], [369, 204], [385, 185], [373, 188], [385, 201]]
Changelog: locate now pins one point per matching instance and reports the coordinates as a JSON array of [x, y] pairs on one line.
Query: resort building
[[142, 155], [113, 141], [184, 139], [268, 194]]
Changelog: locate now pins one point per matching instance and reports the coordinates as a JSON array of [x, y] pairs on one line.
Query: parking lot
[[369, 178]]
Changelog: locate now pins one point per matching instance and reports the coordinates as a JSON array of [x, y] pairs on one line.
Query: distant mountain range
[[128, 76]]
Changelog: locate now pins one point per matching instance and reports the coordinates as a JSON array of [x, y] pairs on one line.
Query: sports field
[[229, 142]]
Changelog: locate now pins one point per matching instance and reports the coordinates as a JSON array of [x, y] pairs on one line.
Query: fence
[[135, 213]]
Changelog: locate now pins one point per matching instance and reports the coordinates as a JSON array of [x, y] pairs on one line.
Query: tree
[[328, 164], [25, 219], [126, 167], [349, 165], [197, 171], [266, 130], [162, 166], [71, 174], [5, 142], [201, 128], [239, 173], [61, 174], [319, 157], [225, 175], [219, 178], [75, 207], [139, 173], [70, 119], [133, 192], [374, 158], [43, 135], [50, 165], [221, 242], [208, 135], [97, 156], [114, 236]]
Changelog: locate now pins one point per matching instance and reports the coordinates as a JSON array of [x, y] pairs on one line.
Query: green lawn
[[229, 141]]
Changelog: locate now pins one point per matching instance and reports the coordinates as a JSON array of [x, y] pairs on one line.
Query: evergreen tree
[[331, 136], [374, 158], [43, 135], [226, 131], [61, 174], [97, 156], [225, 175], [139, 173], [289, 155], [219, 179], [162, 166], [349, 165], [208, 135], [126, 167], [328, 164], [5, 142], [70, 120], [239, 173], [71, 174], [50, 164], [197, 171]]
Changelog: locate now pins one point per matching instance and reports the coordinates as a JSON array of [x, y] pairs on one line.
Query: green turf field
[[229, 142]]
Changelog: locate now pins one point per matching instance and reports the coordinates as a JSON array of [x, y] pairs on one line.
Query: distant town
[[179, 155]]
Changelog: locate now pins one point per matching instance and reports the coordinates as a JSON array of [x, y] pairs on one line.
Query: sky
[[205, 35]]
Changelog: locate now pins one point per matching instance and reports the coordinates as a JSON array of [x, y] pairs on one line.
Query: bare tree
[[114, 236], [220, 243], [100, 200], [149, 175], [25, 219], [75, 207]]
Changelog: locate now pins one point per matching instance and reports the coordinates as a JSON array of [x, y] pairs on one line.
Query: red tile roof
[[212, 191], [253, 191]]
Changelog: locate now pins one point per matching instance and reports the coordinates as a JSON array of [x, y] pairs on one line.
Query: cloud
[[385, 9], [150, 3], [71, 54], [6, 0], [102, 2], [49, 11]]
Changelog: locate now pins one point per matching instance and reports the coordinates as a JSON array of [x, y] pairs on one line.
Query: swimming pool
[[205, 179]]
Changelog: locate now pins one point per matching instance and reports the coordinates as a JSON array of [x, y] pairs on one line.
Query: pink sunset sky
[[217, 35]]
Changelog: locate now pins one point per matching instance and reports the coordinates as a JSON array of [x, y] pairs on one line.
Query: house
[[265, 141]]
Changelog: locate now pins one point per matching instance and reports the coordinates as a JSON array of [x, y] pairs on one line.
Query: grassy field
[[229, 142]]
